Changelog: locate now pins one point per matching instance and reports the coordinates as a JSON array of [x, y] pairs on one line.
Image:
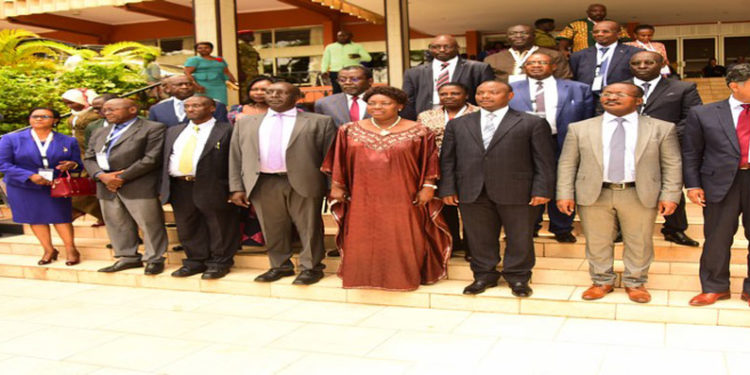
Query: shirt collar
[[548, 80], [290, 113], [349, 97], [177, 100], [451, 62], [129, 122], [613, 45], [499, 113], [203, 125], [653, 82], [631, 117], [734, 103]]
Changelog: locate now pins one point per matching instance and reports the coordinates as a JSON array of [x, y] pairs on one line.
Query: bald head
[[444, 47], [606, 32], [596, 12]]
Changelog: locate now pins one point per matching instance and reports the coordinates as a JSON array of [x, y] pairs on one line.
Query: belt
[[272, 174], [185, 178], [620, 186], [745, 166]]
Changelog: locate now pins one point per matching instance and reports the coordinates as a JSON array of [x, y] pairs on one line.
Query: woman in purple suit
[[30, 159]]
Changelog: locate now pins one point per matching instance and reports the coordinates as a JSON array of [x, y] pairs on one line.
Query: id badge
[[47, 174], [101, 159], [516, 77], [597, 85]]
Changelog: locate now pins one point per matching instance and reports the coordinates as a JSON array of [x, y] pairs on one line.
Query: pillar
[[397, 39], [216, 22], [473, 42]]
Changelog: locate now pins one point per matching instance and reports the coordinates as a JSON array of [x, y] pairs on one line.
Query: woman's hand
[[423, 196], [39, 180], [339, 193], [66, 165]]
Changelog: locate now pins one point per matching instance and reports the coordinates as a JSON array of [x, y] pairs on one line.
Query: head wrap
[[80, 96]]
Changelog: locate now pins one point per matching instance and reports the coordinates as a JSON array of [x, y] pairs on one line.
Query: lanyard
[[520, 58], [601, 57], [114, 135], [42, 148], [459, 114]]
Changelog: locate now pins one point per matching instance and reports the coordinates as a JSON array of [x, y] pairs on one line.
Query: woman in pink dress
[[643, 36]]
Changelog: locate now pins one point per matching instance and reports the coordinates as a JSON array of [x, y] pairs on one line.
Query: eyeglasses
[[616, 95], [349, 79], [536, 63], [41, 117]]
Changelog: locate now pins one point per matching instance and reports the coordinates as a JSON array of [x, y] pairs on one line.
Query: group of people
[[605, 133]]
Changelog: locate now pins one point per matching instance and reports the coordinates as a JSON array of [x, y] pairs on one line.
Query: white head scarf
[[80, 96]]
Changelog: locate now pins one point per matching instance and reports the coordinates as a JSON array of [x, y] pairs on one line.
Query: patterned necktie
[[275, 160], [743, 132], [180, 110], [539, 99], [488, 130], [616, 172], [354, 109], [186, 157], [603, 65], [444, 76], [646, 86]]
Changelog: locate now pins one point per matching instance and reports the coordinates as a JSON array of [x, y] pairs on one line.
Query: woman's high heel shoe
[[51, 259], [75, 260]]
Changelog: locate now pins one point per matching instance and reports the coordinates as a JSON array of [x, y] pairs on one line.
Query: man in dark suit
[[171, 111], [421, 83], [125, 159], [497, 165], [347, 106], [560, 102], [274, 162], [195, 181], [604, 63], [668, 100], [717, 176]]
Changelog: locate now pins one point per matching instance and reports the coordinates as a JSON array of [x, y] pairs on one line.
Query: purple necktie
[[275, 160]]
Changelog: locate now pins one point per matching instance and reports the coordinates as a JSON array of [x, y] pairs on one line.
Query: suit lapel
[[254, 131], [617, 58], [212, 140], [171, 111], [343, 108], [727, 124], [645, 128], [299, 123], [595, 137], [523, 92], [459, 70], [171, 138], [511, 119], [475, 126], [656, 92], [132, 129]]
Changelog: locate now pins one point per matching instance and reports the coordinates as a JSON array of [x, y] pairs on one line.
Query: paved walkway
[[67, 328]]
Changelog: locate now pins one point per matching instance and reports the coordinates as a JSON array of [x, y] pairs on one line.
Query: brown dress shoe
[[597, 291], [639, 294], [705, 299], [745, 297]]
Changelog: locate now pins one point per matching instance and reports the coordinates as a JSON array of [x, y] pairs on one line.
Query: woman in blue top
[[29, 160], [209, 73]]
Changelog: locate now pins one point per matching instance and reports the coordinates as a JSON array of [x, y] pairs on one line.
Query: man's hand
[[112, 180], [667, 208], [697, 196], [238, 198], [66, 165], [39, 180], [338, 193], [451, 200], [536, 201], [423, 196], [566, 206]]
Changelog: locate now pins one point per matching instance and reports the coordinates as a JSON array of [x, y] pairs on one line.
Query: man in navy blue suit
[[560, 102], [608, 61], [171, 112]]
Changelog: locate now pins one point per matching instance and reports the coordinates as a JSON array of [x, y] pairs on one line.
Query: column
[[397, 39], [216, 22]]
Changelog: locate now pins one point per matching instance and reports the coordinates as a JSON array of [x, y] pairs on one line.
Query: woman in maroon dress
[[383, 172]]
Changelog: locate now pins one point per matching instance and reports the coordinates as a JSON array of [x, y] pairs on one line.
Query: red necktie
[[743, 132], [444, 76], [354, 109]]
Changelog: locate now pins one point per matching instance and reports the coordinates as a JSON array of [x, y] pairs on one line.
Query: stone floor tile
[[118, 371], [11, 329], [329, 313], [512, 356], [255, 307], [737, 363], [242, 331], [82, 315], [232, 359], [511, 326], [328, 364], [621, 360], [333, 339], [56, 343], [384, 297], [612, 332], [34, 366], [416, 319], [435, 347], [161, 323], [720, 338]]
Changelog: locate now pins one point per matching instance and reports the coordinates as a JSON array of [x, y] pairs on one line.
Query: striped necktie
[[444, 76]]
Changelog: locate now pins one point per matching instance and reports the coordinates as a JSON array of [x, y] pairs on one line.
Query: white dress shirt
[[179, 108], [499, 115], [601, 57], [736, 107], [362, 104], [631, 137], [436, 73], [652, 84], [264, 135], [204, 130], [550, 99]]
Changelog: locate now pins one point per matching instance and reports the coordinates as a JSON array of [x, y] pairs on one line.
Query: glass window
[[294, 69], [671, 46], [170, 45], [696, 54], [290, 38], [266, 39], [736, 48]]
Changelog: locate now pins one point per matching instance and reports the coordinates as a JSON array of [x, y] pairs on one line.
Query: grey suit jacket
[[658, 167], [138, 152], [311, 138], [335, 106]]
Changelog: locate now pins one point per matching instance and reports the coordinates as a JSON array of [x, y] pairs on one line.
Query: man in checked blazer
[[274, 162]]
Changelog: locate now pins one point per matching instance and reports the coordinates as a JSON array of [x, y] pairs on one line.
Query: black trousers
[[720, 225], [559, 222], [483, 221], [335, 82], [210, 236], [450, 214], [677, 221]]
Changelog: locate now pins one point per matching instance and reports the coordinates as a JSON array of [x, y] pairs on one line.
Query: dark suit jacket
[[164, 112], [138, 152], [583, 64], [211, 186], [671, 101], [710, 150], [419, 84], [518, 164], [335, 106], [575, 102]]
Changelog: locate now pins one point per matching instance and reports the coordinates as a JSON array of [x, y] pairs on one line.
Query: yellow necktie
[[186, 158]]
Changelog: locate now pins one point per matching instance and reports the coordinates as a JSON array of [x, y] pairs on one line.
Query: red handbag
[[66, 186]]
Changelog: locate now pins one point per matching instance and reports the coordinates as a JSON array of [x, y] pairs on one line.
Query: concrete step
[[554, 300]]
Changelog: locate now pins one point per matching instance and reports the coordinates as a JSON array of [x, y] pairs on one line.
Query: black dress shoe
[[468, 258], [185, 272], [334, 253], [214, 273], [479, 286], [154, 268], [121, 266], [681, 238], [177, 248], [308, 277], [566, 237], [521, 289], [273, 275]]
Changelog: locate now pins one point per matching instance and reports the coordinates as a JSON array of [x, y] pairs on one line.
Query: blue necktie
[[603, 66]]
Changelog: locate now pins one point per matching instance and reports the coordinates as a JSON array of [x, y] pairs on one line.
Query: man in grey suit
[[125, 159], [668, 100], [274, 162], [498, 166], [195, 181], [347, 106], [422, 82], [619, 167]]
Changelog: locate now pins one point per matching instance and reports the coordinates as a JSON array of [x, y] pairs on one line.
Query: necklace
[[385, 130]]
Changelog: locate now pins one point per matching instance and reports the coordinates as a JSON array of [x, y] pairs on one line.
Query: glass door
[[696, 54]]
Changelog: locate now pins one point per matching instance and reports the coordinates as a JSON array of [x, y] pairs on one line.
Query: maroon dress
[[386, 242]]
